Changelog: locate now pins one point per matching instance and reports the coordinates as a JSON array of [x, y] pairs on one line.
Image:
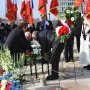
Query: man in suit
[[45, 35], [78, 28], [57, 48], [16, 41]]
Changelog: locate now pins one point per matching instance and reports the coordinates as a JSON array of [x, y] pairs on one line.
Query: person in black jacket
[[16, 41], [44, 24], [57, 48], [45, 31]]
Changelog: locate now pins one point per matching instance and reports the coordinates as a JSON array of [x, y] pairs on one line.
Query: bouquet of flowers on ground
[[62, 33]]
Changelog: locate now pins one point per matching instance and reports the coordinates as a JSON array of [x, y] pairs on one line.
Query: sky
[[35, 11]]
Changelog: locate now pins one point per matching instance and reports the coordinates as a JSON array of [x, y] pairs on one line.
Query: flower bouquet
[[62, 33]]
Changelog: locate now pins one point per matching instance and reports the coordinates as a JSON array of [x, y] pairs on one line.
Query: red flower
[[63, 30]]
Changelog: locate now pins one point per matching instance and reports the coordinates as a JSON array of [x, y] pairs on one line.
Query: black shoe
[[88, 68], [52, 77], [67, 61], [85, 67]]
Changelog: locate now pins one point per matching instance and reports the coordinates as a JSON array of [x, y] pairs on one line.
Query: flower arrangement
[[62, 33], [35, 55], [72, 14], [9, 72]]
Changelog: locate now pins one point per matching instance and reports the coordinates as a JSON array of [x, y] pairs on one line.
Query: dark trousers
[[56, 53], [45, 39], [69, 48], [78, 43]]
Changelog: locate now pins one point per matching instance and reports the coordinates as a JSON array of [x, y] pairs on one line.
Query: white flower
[[72, 11], [68, 11], [72, 19], [3, 83]]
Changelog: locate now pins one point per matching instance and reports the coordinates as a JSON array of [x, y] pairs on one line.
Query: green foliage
[[5, 59], [72, 14], [63, 38], [33, 57], [10, 65]]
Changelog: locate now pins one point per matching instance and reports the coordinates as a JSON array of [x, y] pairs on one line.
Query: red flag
[[77, 3], [23, 9], [8, 4], [29, 13], [53, 7], [10, 14], [15, 8], [42, 7], [87, 9]]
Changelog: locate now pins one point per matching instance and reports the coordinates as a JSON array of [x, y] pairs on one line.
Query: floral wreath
[[72, 15]]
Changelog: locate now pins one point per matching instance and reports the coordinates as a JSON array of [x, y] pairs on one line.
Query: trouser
[[78, 43], [46, 39], [56, 53], [69, 48]]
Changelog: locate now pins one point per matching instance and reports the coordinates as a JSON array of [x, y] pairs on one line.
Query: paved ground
[[70, 78]]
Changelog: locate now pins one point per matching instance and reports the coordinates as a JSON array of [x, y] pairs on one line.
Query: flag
[[77, 3], [42, 7], [53, 7], [10, 13], [23, 9], [8, 4], [87, 9], [15, 8], [29, 13], [26, 11]]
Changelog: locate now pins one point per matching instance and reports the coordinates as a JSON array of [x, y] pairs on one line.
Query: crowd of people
[[18, 37]]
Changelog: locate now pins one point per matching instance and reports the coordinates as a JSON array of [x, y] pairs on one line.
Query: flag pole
[[49, 16]]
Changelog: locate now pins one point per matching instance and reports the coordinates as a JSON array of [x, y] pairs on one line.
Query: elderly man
[[45, 35]]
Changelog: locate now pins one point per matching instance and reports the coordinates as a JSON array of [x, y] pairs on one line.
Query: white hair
[[27, 35]]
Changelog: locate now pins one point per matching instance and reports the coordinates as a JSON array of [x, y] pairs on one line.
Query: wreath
[[73, 17]]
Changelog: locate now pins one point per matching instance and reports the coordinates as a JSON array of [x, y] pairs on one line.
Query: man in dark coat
[[16, 41], [78, 28], [57, 49], [45, 35]]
